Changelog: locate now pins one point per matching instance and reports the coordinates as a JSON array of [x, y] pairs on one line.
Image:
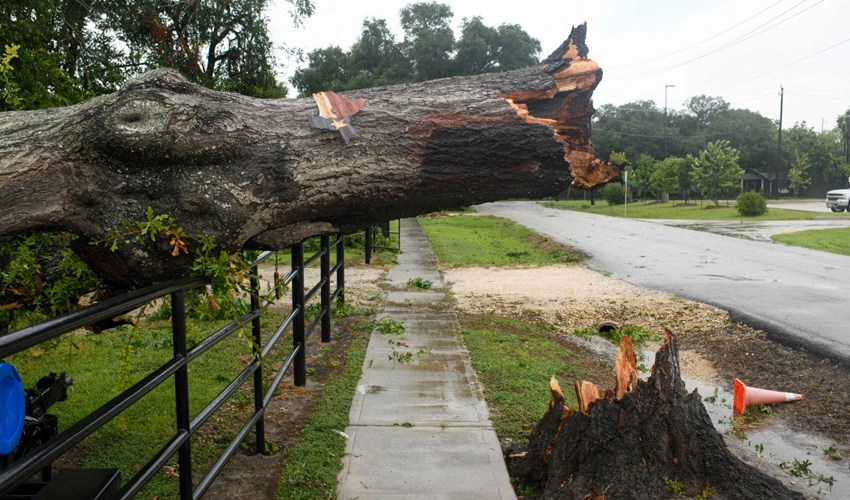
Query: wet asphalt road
[[798, 296]]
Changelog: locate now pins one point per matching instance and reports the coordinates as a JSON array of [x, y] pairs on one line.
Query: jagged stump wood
[[623, 444]]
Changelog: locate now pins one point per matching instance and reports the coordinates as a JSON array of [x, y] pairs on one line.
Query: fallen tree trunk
[[635, 446], [253, 173]]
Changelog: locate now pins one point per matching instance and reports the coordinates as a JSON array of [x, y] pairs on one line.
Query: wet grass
[[515, 361], [105, 364], [677, 211], [828, 240], [311, 466], [461, 239]]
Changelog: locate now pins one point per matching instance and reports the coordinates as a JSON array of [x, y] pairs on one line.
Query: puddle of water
[[800, 456]]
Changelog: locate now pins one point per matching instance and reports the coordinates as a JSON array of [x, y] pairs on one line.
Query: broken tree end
[[566, 108]]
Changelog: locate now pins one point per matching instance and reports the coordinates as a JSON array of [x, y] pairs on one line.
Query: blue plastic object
[[13, 408]]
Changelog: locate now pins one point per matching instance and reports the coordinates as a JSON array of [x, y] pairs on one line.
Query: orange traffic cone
[[745, 396]]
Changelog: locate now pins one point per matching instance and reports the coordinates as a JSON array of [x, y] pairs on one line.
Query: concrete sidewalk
[[420, 429]]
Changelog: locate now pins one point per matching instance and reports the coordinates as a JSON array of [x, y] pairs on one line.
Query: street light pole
[[665, 118]]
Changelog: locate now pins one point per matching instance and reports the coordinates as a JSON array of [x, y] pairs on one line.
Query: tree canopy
[[637, 128], [429, 50], [70, 50]]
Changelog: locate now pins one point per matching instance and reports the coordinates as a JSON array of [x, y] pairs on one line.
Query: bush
[[613, 193], [751, 204]]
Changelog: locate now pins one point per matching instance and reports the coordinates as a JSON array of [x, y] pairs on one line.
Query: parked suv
[[837, 200]]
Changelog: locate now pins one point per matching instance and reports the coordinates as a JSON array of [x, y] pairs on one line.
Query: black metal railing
[[21, 470], [371, 235]]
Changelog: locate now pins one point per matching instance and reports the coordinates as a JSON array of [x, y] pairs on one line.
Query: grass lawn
[[675, 210], [829, 240], [470, 240], [514, 361], [105, 364]]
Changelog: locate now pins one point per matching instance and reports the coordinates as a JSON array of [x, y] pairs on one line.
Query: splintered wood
[[566, 109], [627, 443]]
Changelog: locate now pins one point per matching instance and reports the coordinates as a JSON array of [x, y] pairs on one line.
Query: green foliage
[[716, 170], [400, 356], [803, 470], [614, 195], [40, 277], [674, 486], [71, 51], [428, 39], [389, 326], [665, 178], [798, 174], [420, 283], [686, 181], [619, 158], [832, 453], [483, 49], [10, 98], [640, 181], [429, 50], [751, 204]]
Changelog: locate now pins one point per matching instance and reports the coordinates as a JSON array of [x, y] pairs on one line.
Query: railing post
[[299, 369], [260, 429], [368, 245], [340, 273], [181, 392], [325, 265]]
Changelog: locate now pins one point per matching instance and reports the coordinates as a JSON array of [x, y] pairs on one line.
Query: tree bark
[[625, 447], [251, 173]]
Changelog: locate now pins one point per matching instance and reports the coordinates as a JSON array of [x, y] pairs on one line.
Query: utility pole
[[590, 130], [665, 118], [779, 143], [847, 137]]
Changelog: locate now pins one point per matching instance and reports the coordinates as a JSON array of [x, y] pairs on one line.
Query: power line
[[700, 42], [843, 91], [732, 43], [785, 66]]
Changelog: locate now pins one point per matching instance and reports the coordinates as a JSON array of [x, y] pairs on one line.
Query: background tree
[[71, 50], [798, 174], [483, 49], [665, 178], [428, 51], [428, 39], [376, 58], [686, 181], [641, 179], [634, 128], [716, 170]]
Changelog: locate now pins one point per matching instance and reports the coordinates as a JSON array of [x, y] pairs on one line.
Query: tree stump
[[625, 447]]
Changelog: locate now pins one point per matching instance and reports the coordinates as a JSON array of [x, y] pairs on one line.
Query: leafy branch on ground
[[420, 283]]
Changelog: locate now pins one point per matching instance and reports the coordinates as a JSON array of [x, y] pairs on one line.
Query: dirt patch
[[713, 349]]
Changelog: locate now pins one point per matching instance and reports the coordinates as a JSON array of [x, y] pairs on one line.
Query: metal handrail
[[22, 469]]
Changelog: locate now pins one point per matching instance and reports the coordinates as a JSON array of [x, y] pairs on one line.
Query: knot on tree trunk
[[635, 441]]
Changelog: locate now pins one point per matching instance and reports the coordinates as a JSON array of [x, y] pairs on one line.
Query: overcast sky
[[742, 51]]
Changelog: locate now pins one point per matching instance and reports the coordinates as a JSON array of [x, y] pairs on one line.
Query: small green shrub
[[613, 193], [751, 204]]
